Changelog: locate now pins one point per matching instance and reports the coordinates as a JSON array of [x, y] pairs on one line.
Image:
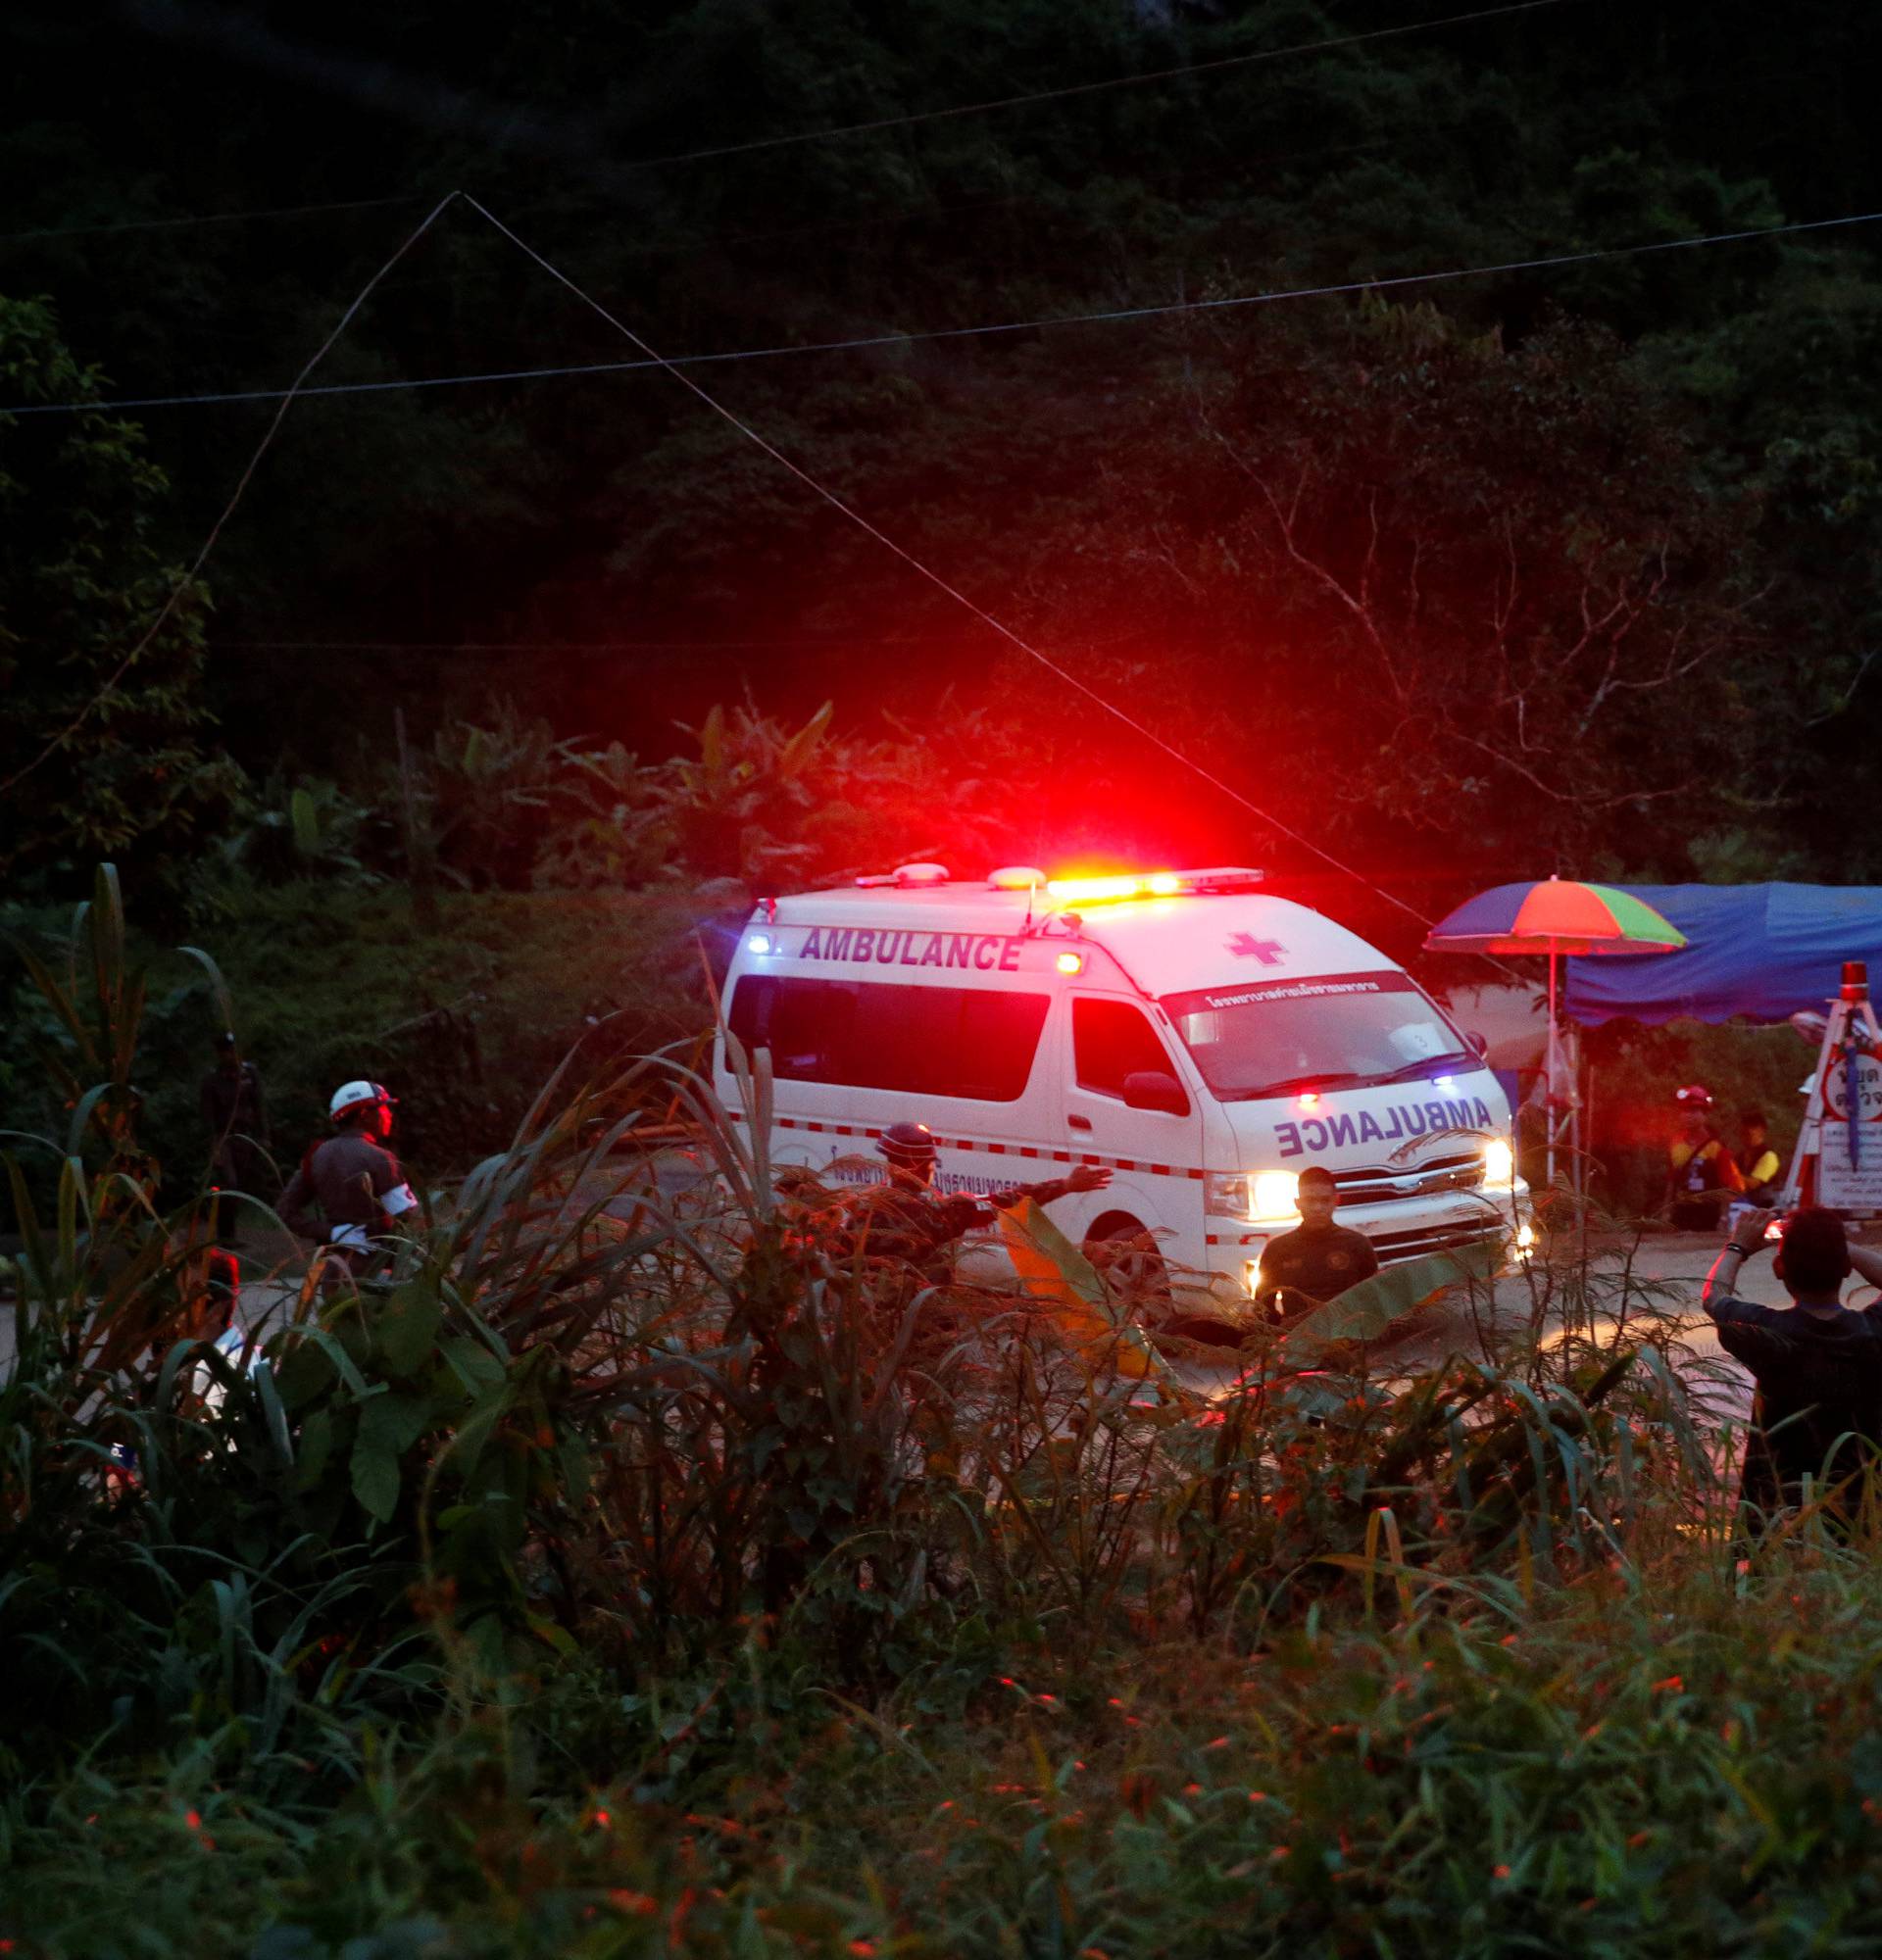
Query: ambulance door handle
[[1079, 1122]]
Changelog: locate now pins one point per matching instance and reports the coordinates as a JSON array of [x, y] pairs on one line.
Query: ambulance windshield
[[1336, 1031]]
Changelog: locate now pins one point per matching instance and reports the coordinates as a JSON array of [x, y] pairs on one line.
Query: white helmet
[[351, 1095]]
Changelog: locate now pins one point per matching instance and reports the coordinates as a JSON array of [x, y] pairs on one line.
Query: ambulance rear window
[[964, 1042]]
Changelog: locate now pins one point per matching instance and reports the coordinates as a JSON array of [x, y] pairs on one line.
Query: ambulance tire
[[1127, 1254]]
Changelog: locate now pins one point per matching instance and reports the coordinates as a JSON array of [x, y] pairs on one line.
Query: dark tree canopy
[[1569, 563], [104, 715]]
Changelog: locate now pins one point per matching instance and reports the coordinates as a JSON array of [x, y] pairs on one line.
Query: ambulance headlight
[[1273, 1193], [1227, 1194], [1499, 1165]]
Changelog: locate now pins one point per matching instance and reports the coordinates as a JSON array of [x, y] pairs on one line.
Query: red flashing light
[[1309, 1099], [1072, 963]]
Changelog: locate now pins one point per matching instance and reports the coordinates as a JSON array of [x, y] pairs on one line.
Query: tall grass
[[643, 1568]]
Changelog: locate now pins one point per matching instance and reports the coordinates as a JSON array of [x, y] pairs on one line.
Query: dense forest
[[1450, 572]]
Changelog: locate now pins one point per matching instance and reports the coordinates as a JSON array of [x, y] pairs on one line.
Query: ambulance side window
[[1111, 1040], [807, 1024], [915, 1040], [999, 1038]]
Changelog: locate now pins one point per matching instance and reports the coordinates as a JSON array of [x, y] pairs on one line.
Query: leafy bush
[[636, 1568]]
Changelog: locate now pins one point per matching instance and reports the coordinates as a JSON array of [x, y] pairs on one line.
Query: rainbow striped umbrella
[[1561, 918], [1556, 915]]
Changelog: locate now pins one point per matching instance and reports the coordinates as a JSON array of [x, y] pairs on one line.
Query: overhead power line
[[858, 343], [188, 578], [802, 642], [827, 134], [954, 592], [206, 217], [1086, 87]]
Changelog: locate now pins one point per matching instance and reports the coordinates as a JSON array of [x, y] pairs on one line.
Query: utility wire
[[1084, 87], [188, 578], [954, 592], [206, 217], [802, 643], [820, 135], [861, 342], [668, 247]]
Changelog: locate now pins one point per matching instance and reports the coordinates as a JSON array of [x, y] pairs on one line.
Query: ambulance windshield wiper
[[1428, 1064], [1325, 1078]]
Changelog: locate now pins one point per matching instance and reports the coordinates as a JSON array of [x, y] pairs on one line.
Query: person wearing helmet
[[353, 1178], [1701, 1174], [905, 1220]]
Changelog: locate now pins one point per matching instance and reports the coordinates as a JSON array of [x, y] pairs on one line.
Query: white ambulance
[[1204, 1041]]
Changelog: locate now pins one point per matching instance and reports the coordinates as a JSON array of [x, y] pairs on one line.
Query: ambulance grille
[[1381, 1185], [1393, 1247]]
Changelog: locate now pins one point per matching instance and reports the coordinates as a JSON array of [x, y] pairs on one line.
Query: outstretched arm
[[1081, 1177]]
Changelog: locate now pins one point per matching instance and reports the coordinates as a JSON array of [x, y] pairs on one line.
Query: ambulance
[[1202, 1038]]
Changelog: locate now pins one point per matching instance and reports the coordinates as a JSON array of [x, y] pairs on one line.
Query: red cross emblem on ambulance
[[1245, 945]]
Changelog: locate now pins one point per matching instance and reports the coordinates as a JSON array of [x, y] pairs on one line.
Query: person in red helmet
[[1701, 1174], [905, 1220], [352, 1178]]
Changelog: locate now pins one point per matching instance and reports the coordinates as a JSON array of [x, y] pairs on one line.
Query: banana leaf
[[1364, 1312], [1057, 1277]]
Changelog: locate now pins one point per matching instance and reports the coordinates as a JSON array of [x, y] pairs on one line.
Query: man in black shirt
[[1817, 1364], [1316, 1259]]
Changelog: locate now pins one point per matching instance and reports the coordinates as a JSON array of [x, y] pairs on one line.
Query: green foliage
[[83, 577], [637, 1565], [489, 788], [311, 828], [332, 981]]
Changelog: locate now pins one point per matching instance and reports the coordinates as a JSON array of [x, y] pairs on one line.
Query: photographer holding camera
[[1817, 1364]]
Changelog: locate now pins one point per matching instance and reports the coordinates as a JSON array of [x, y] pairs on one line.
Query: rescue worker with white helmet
[[352, 1177]]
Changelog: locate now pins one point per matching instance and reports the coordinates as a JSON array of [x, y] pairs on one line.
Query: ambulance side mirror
[[1152, 1089], [1479, 1044]]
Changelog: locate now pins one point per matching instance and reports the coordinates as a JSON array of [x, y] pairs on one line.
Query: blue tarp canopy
[[1765, 951]]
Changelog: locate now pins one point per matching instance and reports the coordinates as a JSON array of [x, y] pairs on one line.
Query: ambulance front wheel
[[1125, 1251]]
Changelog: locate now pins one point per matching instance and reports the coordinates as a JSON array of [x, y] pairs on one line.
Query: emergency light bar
[[1217, 879]]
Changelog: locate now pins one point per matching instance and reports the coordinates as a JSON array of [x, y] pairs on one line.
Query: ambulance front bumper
[[1402, 1231]]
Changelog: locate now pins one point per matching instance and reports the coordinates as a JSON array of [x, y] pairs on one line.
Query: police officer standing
[[907, 1221], [1316, 1261], [352, 1177]]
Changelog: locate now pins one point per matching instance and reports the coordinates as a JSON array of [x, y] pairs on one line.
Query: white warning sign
[[1847, 1186]]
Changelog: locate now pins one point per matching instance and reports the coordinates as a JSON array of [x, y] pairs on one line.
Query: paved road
[[1658, 1279]]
